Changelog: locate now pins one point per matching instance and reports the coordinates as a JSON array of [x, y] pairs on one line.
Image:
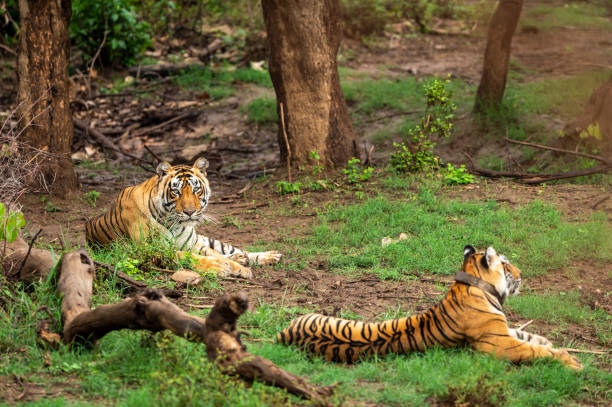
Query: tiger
[[470, 313], [173, 202]]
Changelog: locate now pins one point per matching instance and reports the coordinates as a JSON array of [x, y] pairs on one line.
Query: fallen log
[[24, 262], [151, 310]]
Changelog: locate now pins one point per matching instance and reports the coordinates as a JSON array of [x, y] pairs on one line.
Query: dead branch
[[186, 115], [28, 252], [525, 325], [108, 144], [560, 150], [158, 158], [594, 352], [162, 70], [532, 179], [7, 49], [282, 118], [18, 264], [152, 311]]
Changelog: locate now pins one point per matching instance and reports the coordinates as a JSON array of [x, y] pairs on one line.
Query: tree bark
[[304, 36], [497, 54], [43, 89]]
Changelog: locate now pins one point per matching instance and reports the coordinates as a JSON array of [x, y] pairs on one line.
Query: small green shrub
[[127, 37], [10, 224], [355, 173], [286, 188], [92, 197], [456, 176], [415, 152]]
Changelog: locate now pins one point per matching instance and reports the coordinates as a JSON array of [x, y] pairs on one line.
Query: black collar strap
[[468, 279]]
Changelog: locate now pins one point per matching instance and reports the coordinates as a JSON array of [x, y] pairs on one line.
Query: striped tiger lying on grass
[[470, 313], [173, 203]]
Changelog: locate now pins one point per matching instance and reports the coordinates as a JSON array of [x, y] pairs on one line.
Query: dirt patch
[[15, 389]]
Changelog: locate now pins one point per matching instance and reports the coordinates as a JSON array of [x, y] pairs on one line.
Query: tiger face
[[494, 269], [184, 192]]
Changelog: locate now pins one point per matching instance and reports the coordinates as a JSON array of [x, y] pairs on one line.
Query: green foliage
[[142, 259], [49, 206], [415, 153], [10, 223], [92, 197], [286, 188], [126, 36], [355, 173], [316, 167], [456, 176]]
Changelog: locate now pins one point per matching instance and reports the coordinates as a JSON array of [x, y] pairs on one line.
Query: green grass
[[261, 111], [574, 14], [562, 308], [220, 83], [403, 95], [533, 236], [565, 97]]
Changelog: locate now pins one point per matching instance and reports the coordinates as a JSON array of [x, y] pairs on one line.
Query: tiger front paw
[[264, 258], [568, 360]]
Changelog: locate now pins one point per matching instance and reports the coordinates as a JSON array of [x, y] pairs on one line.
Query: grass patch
[[533, 236], [561, 308], [565, 97], [219, 84], [575, 14], [261, 111]]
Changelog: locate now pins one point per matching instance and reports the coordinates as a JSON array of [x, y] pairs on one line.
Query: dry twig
[[282, 117]]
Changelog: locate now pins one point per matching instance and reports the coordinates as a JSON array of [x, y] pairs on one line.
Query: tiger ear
[[490, 255], [162, 168], [201, 164], [468, 251]]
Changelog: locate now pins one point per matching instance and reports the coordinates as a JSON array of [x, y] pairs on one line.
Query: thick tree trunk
[[497, 54], [43, 93], [304, 36]]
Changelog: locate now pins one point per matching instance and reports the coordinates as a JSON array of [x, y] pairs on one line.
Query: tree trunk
[[304, 36], [43, 94], [497, 54]]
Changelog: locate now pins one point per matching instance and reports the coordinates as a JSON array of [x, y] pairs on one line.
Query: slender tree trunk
[[304, 36], [497, 53], [43, 94]]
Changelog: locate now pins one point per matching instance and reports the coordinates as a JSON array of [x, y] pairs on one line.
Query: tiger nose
[[188, 212]]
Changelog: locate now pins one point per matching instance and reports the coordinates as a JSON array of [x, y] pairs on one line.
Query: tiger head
[[493, 268], [183, 191]]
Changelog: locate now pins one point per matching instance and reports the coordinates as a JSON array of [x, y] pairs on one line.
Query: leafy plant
[[457, 175], [415, 152], [317, 167], [355, 173], [126, 36], [285, 188], [11, 223], [92, 197], [49, 206]]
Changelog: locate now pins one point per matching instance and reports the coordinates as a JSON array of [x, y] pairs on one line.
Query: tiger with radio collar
[[470, 313]]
